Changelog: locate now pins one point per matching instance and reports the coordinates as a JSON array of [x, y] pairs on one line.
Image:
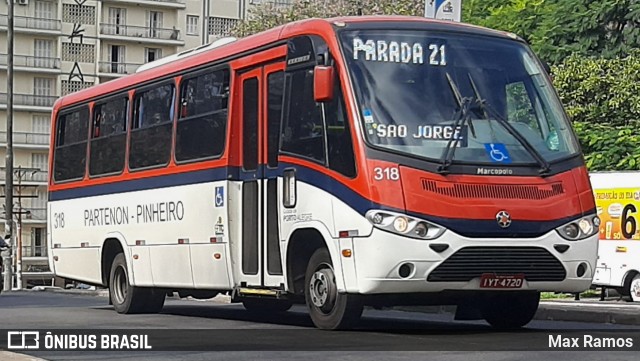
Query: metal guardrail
[[117, 68], [34, 251], [30, 99], [32, 61], [27, 22], [27, 138], [37, 176], [140, 31]]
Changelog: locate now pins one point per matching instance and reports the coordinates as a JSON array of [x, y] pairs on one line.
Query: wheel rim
[[634, 289], [120, 285], [322, 289]]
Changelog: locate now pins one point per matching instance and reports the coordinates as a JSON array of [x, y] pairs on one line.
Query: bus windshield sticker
[[368, 117], [397, 52], [497, 152]]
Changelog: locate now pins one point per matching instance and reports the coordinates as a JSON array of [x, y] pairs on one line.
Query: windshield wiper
[[488, 110], [464, 117]]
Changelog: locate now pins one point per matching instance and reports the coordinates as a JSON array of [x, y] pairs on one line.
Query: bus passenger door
[[261, 102]]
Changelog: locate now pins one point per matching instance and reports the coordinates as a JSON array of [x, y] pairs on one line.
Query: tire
[[510, 310], [633, 289], [129, 299], [262, 305], [329, 310]]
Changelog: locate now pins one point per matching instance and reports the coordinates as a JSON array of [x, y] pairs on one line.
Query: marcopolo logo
[[494, 171], [22, 340]]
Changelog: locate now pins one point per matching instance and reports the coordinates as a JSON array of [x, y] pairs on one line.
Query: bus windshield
[[485, 99]]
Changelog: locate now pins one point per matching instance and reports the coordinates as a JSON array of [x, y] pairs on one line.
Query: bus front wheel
[[130, 299], [634, 288], [328, 308], [510, 310]]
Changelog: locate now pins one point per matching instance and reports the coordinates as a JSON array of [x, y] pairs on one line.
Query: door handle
[[289, 191]]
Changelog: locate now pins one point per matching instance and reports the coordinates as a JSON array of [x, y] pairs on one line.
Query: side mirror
[[546, 67], [323, 83]]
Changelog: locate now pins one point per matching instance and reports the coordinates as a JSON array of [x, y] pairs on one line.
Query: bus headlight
[[580, 229], [404, 225]]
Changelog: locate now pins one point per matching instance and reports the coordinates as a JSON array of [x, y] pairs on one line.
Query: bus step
[[260, 292]]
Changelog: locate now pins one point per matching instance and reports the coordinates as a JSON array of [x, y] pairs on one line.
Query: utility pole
[[20, 173], [8, 226]]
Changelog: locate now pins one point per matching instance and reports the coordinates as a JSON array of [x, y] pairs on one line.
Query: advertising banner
[[618, 212]]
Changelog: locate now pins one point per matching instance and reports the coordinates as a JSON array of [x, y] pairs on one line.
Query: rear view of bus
[[480, 191]]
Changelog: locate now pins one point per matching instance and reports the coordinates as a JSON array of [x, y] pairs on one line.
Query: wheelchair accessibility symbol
[[497, 152], [219, 196]]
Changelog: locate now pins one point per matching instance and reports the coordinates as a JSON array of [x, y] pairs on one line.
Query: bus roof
[[268, 37]]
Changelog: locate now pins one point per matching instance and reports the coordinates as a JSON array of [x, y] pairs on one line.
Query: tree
[[265, 16]]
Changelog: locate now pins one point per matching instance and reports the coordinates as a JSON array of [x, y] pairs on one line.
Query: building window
[[40, 126], [82, 53], [74, 86], [192, 25], [79, 14], [221, 26], [44, 10], [152, 54]]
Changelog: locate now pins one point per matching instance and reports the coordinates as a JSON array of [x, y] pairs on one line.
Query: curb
[[11, 356], [585, 312]]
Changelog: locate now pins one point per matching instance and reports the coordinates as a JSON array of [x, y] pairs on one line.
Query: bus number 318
[[58, 220]]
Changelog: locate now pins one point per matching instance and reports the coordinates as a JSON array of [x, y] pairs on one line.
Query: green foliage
[[557, 29], [602, 96], [609, 147]]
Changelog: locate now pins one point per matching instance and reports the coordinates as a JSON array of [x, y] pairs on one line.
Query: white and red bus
[[338, 163]]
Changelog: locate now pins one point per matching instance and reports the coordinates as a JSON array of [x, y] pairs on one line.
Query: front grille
[[537, 264], [493, 191]]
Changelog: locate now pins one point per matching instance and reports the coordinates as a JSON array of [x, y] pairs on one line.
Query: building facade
[[62, 46]]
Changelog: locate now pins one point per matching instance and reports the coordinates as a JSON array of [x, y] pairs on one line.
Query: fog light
[[405, 270], [400, 224], [581, 270]]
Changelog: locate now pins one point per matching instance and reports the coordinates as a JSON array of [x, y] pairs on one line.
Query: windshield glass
[[412, 87]]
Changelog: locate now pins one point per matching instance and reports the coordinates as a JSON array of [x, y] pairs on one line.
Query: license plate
[[490, 280]]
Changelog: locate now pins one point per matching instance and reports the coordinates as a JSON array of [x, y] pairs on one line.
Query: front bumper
[[378, 260]]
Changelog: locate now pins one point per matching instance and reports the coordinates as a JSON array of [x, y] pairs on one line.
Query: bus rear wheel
[[510, 310], [328, 308], [130, 299]]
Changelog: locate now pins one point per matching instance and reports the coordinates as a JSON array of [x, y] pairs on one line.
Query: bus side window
[[303, 130], [109, 137], [340, 144], [151, 129], [202, 123], [274, 115], [70, 153]]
